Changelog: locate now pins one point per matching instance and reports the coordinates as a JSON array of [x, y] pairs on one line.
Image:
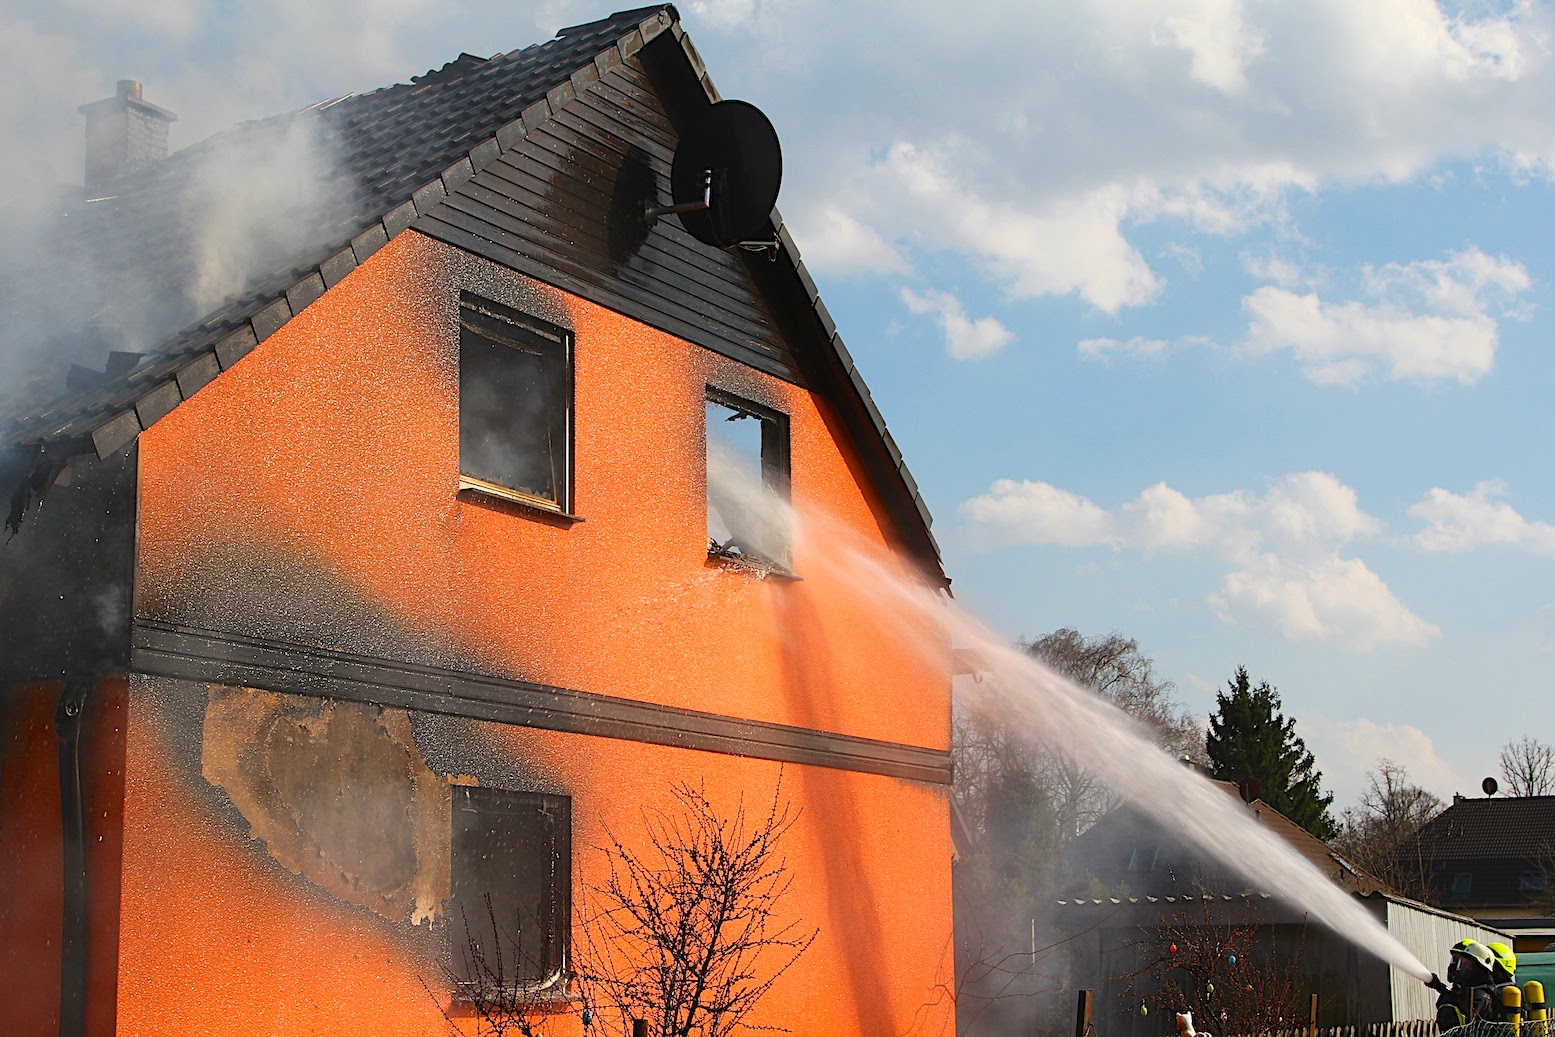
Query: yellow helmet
[[1467, 953], [1506, 961]]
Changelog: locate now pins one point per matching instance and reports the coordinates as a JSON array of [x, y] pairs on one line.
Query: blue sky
[[1221, 324]]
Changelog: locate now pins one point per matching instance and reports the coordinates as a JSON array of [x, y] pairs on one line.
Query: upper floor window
[[747, 479], [511, 875], [1463, 883], [515, 405]]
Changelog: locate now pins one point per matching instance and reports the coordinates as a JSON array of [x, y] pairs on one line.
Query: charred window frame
[[510, 872], [739, 526], [515, 405]]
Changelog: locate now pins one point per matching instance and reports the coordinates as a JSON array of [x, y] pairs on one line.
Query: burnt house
[[372, 567]]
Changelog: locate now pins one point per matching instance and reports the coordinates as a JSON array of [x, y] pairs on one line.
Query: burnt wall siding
[[565, 206], [65, 576]]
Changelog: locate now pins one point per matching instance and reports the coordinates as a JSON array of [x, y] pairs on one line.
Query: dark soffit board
[[185, 653], [418, 146]]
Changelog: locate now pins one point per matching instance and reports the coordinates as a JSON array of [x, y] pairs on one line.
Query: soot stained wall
[[310, 495]]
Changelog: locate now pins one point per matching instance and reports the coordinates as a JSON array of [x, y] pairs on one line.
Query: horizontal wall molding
[[168, 650]]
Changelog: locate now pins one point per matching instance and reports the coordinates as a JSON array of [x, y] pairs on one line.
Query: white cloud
[[1105, 349], [1333, 598], [1068, 246], [1219, 41], [1281, 270], [1458, 522], [1469, 283], [1110, 350], [1282, 550], [724, 13], [965, 338], [1039, 513], [1346, 750], [839, 243], [1430, 320], [1212, 113]]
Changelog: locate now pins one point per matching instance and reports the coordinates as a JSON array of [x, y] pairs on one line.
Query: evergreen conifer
[[1249, 737]]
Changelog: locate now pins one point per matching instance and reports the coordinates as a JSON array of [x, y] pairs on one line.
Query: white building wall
[[1427, 933]]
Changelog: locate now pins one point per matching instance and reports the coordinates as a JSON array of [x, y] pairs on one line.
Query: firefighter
[[1470, 972], [1503, 974]]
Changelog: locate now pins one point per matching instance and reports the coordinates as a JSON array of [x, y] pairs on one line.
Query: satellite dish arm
[[655, 211]]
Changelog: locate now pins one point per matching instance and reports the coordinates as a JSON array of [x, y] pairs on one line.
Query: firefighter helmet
[[1506, 962], [1471, 956]]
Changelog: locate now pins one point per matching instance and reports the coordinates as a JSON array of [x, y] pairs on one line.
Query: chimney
[[123, 134]]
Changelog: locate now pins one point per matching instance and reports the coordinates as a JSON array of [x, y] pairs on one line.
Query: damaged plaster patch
[[338, 793]]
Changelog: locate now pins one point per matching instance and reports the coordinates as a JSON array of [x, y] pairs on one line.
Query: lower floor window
[[511, 875]]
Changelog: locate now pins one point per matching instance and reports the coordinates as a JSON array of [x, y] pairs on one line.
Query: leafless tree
[[1114, 667], [688, 932], [1378, 833], [487, 976], [1528, 765], [1021, 801], [1230, 975]]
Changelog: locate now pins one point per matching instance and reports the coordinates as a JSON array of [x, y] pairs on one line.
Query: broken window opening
[[747, 481], [515, 405], [511, 877]]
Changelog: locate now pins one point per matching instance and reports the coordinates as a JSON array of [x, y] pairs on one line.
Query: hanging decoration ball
[[588, 1017], [1144, 1009], [1248, 988], [1172, 949], [1232, 959], [1209, 988]]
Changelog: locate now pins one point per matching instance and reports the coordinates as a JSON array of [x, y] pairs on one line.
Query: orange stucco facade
[[310, 496]]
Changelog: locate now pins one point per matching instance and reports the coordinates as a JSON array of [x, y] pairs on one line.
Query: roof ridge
[[636, 14]]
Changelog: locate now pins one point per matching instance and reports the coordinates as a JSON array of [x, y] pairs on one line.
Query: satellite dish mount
[[725, 176]]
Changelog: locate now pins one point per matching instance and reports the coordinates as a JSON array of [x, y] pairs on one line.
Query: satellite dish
[[725, 176], [1490, 786]]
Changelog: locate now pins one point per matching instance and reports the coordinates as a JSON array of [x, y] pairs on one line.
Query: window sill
[[542, 1002], [721, 558], [549, 996], [476, 489]]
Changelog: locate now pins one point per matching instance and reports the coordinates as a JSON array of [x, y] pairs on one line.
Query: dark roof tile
[[1509, 827], [197, 374]]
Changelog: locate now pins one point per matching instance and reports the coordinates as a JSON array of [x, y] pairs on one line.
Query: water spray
[[1050, 710]]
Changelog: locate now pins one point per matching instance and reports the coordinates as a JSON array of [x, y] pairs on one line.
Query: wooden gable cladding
[[564, 205]]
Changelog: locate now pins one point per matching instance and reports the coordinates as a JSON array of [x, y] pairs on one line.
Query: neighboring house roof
[[398, 153], [1486, 852], [1126, 848], [1498, 826]]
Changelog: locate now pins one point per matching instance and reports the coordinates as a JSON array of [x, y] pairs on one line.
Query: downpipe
[[68, 719]]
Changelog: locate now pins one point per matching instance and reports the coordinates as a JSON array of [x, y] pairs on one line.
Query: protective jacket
[[1460, 1004]]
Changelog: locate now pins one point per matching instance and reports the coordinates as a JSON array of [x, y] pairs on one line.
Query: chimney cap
[[127, 94]]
